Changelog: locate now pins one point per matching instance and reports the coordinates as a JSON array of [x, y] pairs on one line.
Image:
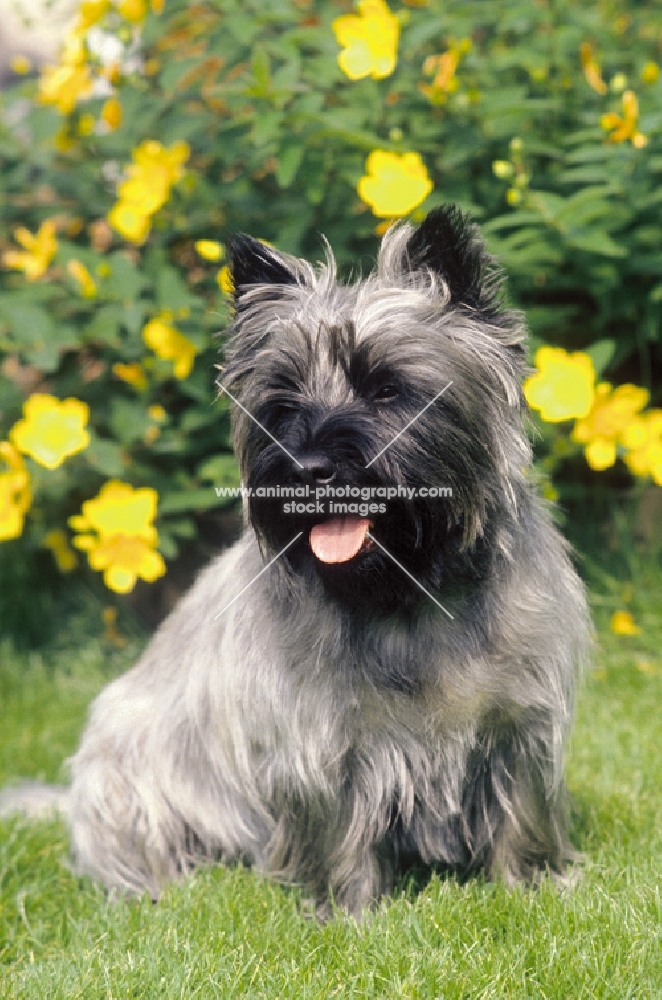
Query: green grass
[[227, 933]]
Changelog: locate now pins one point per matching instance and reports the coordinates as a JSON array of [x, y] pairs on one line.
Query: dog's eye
[[282, 411], [385, 393]]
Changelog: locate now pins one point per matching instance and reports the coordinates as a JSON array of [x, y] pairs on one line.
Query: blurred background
[[135, 135]]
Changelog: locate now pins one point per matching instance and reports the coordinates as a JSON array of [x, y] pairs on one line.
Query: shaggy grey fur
[[332, 729]]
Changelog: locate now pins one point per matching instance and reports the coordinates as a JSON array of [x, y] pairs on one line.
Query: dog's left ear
[[255, 263], [449, 243]]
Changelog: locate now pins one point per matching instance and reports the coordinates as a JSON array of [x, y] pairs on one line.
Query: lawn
[[227, 933]]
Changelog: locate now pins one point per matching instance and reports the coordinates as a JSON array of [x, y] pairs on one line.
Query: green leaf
[[594, 241], [193, 419], [590, 153], [175, 71], [199, 386], [585, 206], [124, 282], [512, 221], [106, 457], [35, 334], [221, 470], [289, 162], [601, 353], [128, 420], [548, 204], [167, 545], [267, 127], [104, 327], [243, 27], [190, 500], [134, 316], [182, 527], [261, 67], [44, 123], [172, 292]]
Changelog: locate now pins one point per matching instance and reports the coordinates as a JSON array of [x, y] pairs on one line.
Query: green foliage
[[278, 140]]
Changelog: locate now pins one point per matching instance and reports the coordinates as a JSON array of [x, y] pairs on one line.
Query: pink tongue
[[338, 539]]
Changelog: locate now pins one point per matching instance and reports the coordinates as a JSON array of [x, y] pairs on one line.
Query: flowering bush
[[563, 388], [166, 124]]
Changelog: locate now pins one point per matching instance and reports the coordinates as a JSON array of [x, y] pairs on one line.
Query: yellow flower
[[502, 169], [562, 387], [159, 416], [65, 84], [65, 557], [591, 69], [225, 280], [618, 83], [39, 250], [152, 156], [170, 345], [602, 427], [119, 509], [123, 559], [130, 222], [147, 187], [51, 429], [90, 13], [86, 124], [124, 539], [79, 272], [111, 113], [20, 65], [643, 439], [650, 73], [369, 41], [393, 184], [624, 128], [157, 413], [157, 6], [15, 494], [134, 11], [600, 453], [442, 67], [209, 249], [622, 623], [74, 52], [444, 82], [132, 372]]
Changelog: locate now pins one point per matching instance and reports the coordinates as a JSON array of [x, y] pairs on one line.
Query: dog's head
[[408, 380]]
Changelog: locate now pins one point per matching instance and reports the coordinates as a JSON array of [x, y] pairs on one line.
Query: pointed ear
[[449, 243], [254, 263]]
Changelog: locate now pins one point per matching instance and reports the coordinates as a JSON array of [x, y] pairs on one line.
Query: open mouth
[[340, 539]]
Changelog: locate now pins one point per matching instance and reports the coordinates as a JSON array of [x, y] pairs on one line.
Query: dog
[[377, 677]]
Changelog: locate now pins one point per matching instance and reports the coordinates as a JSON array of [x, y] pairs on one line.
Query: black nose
[[315, 468]]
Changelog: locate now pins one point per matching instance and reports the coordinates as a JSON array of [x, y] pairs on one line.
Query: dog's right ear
[[448, 242], [255, 263]]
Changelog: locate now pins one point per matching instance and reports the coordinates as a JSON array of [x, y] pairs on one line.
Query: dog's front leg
[[356, 882], [361, 858], [513, 806]]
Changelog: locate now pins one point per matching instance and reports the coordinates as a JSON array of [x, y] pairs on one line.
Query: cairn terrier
[[380, 673]]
